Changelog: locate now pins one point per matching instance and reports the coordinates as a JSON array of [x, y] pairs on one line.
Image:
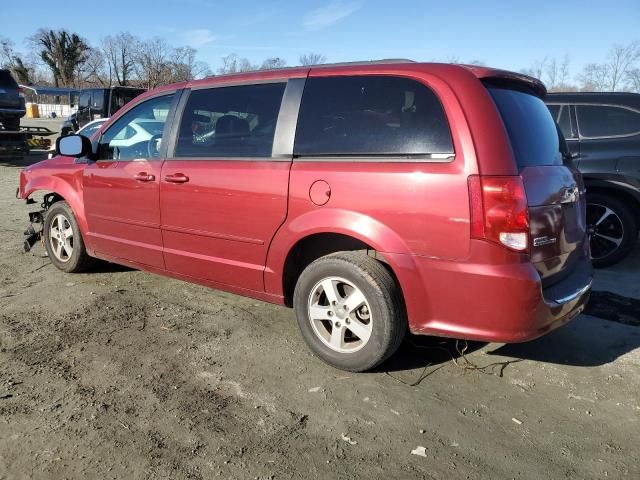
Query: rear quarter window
[[370, 115], [607, 121], [531, 128]]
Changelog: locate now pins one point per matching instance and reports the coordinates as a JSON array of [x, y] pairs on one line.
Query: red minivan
[[371, 197]]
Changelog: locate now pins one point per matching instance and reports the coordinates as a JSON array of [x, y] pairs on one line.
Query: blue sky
[[506, 34]]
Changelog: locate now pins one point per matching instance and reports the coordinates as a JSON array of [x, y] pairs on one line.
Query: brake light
[[21, 91], [499, 211]]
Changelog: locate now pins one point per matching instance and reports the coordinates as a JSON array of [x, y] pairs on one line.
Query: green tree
[[63, 53]]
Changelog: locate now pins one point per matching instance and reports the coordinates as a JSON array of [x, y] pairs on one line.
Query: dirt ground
[[123, 374]]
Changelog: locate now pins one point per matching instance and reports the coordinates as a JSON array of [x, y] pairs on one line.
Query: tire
[[66, 252], [379, 315], [608, 218]]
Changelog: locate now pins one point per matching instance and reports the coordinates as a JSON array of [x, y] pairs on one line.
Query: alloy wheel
[[61, 238], [606, 230], [340, 315]]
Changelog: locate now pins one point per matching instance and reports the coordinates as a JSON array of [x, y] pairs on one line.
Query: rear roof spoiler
[[497, 76]]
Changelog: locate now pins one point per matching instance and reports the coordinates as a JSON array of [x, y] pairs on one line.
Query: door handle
[[176, 178], [144, 177]]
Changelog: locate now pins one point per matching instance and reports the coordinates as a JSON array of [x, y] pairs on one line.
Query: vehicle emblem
[[546, 240]]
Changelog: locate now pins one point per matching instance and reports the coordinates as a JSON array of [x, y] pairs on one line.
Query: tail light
[[21, 91], [499, 211]]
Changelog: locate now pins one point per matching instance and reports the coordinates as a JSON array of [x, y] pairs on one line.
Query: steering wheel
[[153, 146]]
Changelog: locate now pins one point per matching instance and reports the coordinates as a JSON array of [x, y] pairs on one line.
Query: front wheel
[[612, 227], [63, 240], [350, 310]]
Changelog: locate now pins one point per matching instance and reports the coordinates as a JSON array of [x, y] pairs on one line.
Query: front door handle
[[144, 177], [176, 178]]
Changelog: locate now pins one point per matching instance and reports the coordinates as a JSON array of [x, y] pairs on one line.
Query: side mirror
[[73, 146]]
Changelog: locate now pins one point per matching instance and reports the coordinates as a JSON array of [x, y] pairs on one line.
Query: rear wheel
[[350, 311], [63, 240], [612, 228]]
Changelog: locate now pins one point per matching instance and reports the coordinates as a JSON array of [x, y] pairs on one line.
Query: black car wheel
[[612, 228]]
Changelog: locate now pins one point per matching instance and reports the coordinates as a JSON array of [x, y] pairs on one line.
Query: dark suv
[[11, 101], [603, 134]]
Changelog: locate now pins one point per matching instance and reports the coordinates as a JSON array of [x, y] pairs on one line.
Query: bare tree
[[153, 62], [273, 62], [621, 60], [633, 80], [186, 67], [7, 52], [120, 54], [232, 63], [94, 70], [312, 59], [594, 77], [563, 73], [62, 52]]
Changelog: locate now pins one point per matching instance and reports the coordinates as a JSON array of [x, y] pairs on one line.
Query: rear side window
[[230, 121], [370, 115], [532, 131], [6, 80], [607, 121]]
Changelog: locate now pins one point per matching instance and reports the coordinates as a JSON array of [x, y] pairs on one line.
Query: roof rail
[[382, 61]]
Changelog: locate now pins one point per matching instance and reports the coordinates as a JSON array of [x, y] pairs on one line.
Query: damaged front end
[[34, 231]]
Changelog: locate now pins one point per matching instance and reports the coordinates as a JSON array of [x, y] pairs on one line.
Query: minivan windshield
[[531, 128]]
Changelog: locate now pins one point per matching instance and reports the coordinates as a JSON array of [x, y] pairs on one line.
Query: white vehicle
[[136, 132], [88, 130]]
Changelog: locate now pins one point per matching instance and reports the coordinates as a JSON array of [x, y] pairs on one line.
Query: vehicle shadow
[[585, 342], [102, 266]]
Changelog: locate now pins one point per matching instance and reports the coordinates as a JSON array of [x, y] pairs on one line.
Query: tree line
[[620, 71], [62, 58], [65, 59]]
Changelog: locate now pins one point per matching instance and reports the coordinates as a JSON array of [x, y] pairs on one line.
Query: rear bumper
[[487, 302]]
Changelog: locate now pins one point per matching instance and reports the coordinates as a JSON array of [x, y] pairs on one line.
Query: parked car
[[12, 106], [369, 197], [603, 133], [97, 103]]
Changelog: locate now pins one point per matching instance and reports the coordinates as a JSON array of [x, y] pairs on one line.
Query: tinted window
[[6, 80], [531, 129], [88, 131], [230, 121], [85, 99], [601, 121], [370, 115], [564, 121], [98, 99], [554, 109], [120, 97], [130, 137]]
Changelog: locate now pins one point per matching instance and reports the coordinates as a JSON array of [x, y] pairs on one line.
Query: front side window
[[230, 121], [370, 115], [138, 133], [607, 121]]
